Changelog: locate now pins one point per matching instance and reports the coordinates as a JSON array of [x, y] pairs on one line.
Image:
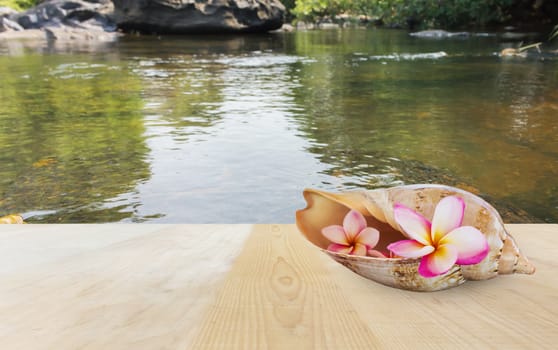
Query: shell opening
[[326, 209]]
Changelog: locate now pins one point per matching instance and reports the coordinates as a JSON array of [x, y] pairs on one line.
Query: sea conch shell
[[326, 209]]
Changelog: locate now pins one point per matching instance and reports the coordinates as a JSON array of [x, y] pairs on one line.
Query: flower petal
[[448, 216], [359, 249], [353, 223], [472, 246], [414, 224], [369, 237], [410, 248], [439, 262], [335, 234], [375, 254], [340, 248]]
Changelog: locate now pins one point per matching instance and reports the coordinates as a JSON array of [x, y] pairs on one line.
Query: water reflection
[[231, 129], [37, 43], [231, 170], [533, 133], [181, 95], [71, 138], [445, 118]]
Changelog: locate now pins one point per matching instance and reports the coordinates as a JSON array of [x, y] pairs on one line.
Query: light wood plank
[[148, 292], [34, 245], [281, 294], [511, 312], [277, 296], [249, 287]]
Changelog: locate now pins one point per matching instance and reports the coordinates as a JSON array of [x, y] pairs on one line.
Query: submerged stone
[[439, 34]]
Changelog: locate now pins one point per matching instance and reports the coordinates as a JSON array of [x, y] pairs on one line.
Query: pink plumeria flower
[[442, 243], [354, 237]]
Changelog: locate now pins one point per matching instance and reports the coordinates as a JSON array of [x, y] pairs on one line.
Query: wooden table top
[[249, 287]]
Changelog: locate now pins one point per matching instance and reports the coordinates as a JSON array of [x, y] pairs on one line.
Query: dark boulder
[[198, 16]]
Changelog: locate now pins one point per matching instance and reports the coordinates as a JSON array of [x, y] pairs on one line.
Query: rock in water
[[198, 16], [72, 13], [439, 34]]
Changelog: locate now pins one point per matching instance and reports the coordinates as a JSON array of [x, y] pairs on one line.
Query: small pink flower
[[353, 237], [442, 243]]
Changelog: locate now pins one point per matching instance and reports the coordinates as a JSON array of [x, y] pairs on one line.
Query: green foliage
[[451, 13], [445, 13], [289, 5], [18, 4], [313, 9]]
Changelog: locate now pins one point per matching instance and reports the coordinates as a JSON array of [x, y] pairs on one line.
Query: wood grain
[[281, 294], [249, 287], [145, 292], [277, 296]]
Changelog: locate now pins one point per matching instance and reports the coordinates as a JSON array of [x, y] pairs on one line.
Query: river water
[[232, 129]]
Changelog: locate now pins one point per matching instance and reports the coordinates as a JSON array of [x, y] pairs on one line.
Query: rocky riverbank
[[105, 20], [61, 20]]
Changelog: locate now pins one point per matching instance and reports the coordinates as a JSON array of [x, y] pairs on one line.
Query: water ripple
[[408, 56]]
